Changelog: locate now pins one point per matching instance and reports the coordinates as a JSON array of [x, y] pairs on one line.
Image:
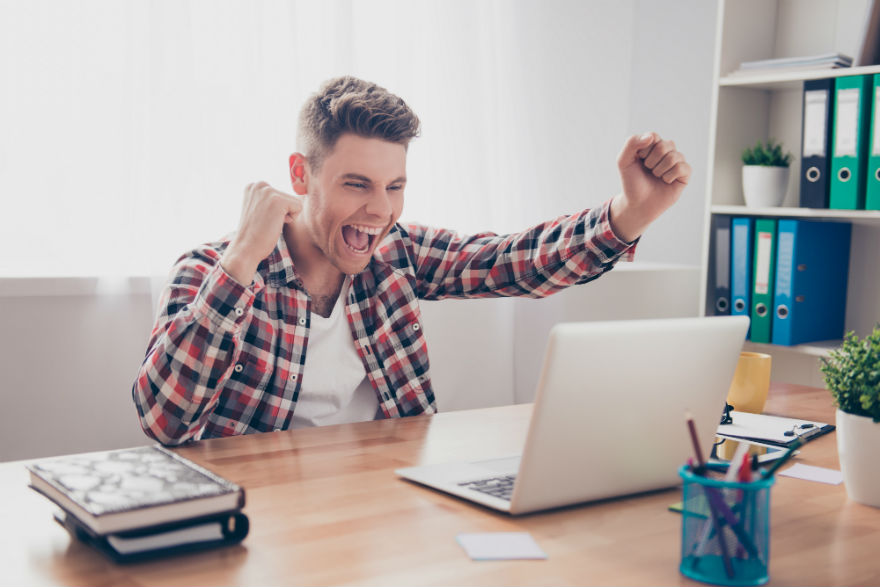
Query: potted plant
[[852, 374], [765, 174]]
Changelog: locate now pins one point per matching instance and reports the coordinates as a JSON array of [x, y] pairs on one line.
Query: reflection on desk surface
[[327, 509]]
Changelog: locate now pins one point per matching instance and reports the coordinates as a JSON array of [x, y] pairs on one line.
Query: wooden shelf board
[[789, 80], [816, 349], [867, 217]]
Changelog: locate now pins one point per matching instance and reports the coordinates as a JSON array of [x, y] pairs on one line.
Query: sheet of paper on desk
[[810, 473], [770, 428], [500, 546]]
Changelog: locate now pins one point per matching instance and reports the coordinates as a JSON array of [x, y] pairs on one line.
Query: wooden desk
[[326, 508]]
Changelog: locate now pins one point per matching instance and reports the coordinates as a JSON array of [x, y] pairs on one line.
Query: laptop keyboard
[[500, 487]]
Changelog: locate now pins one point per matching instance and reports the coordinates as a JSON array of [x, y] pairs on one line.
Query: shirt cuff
[[223, 300], [627, 250]]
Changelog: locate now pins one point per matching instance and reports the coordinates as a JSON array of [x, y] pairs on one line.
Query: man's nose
[[379, 204]]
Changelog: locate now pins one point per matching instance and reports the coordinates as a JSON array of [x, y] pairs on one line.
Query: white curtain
[[128, 129]]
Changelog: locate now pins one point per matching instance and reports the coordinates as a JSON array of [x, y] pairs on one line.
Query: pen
[[744, 475], [692, 428], [713, 512], [732, 473]]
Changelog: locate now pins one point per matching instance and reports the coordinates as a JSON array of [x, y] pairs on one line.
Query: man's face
[[354, 199]]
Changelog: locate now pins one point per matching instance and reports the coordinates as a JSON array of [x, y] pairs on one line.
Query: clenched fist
[[264, 213], [653, 174]]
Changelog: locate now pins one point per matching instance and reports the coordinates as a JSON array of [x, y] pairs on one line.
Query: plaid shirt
[[225, 359]]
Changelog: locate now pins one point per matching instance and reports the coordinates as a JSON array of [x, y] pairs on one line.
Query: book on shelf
[[140, 501], [793, 64]]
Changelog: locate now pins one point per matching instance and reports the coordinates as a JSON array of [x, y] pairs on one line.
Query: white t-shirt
[[335, 388]]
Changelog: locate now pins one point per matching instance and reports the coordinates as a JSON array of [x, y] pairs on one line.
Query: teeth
[[367, 229]]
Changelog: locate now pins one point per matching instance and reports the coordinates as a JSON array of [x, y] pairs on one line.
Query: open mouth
[[359, 237]]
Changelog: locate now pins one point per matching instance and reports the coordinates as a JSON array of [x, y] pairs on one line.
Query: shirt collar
[[278, 266]]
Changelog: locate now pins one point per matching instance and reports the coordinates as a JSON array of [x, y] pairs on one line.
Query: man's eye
[[395, 188], [356, 185]]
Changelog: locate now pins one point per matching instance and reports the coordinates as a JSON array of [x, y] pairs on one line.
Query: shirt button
[[302, 321], [239, 368], [293, 377], [416, 327], [239, 311]]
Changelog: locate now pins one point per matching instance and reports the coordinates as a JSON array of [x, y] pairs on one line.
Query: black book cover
[[184, 536]]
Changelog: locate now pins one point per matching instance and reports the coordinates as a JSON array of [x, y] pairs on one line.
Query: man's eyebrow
[[365, 179]]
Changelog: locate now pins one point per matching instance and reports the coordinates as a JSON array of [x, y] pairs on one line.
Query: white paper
[[815, 104], [762, 267], [876, 146], [767, 428], [500, 546], [847, 123], [810, 473], [722, 254]]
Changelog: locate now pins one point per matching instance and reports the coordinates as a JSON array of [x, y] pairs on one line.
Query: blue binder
[[812, 266], [741, 265]]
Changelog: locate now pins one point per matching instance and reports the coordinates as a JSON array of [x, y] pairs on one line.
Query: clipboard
[[774, 430]]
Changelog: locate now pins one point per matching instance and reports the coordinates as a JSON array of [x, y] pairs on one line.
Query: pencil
[[713, 512]]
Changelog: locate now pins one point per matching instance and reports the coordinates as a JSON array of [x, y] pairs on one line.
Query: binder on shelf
[[818, 105], [812, 268], [762, 281], [718, 302], [741, 265], [872, 181], [849, 160]]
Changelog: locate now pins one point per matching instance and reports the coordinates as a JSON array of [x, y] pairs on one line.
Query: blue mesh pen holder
[[725, 529]]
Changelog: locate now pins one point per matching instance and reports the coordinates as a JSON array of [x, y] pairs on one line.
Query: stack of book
[[142, 502], [794, 64]]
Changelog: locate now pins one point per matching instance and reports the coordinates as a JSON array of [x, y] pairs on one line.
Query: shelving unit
[[764, 105]]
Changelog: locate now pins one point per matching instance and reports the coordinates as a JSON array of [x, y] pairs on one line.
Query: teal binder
[[872, 181], [763, 277], [849, 160]]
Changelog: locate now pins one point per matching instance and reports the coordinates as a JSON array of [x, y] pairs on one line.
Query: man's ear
[[299, 175]]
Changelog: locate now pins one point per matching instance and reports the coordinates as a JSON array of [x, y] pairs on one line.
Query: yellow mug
[[748, 393], [751, 383]]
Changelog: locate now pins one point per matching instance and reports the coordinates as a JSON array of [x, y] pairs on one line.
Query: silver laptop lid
[[609, 416]]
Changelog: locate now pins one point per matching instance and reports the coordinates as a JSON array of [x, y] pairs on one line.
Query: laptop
[[609, 414]]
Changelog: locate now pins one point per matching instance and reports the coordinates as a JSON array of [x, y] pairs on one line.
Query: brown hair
[[351, 105]]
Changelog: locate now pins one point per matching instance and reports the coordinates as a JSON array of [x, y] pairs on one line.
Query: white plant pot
[[763, 186], [858, 444]]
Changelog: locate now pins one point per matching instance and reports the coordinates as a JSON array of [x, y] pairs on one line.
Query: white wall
[[68, 355], [78, 344], [671, 93], [580, 76]]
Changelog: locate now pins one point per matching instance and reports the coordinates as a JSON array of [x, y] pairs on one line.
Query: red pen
[[745, 471]]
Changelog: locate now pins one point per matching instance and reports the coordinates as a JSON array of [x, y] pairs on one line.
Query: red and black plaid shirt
[[226, 359]]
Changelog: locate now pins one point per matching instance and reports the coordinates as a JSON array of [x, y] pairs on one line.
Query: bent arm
[[534, 263], [193, 348]]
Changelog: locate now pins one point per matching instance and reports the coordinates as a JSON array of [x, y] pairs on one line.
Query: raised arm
[[195, 341]]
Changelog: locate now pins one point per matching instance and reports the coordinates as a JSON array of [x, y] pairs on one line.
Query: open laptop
[[609, 414]]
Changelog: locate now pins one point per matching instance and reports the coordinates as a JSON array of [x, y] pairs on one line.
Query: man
[[309, 313]]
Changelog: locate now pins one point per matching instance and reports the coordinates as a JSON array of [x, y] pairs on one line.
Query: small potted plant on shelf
[[765, 174], [852, 374]]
